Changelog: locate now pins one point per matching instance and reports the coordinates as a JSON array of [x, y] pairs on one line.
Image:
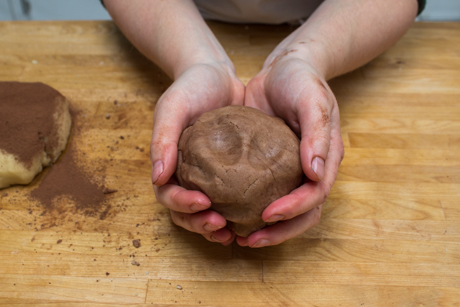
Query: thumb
[[315, 138], [163, 147]]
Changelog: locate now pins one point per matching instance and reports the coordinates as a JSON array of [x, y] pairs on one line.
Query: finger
[[284, 230], [242, 241], [310, 194], [223, 236], [255, 95], [229, 241], [299, 201], [204, 222], [314, 119], [179, 199], [336, 136], [168, 124]]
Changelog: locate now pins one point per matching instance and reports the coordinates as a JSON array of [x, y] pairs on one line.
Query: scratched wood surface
[[389, 233]]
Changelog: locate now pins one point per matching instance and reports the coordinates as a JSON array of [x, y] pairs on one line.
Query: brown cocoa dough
[[243, 160]]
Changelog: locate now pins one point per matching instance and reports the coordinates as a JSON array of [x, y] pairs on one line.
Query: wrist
[[297, 55], [209, 57]]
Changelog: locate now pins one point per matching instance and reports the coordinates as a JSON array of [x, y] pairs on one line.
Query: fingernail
[[195, 207], [261, 243], [158, 169], [215, 239], [245, 242], [317, 166], [210, 227], [275, 218]]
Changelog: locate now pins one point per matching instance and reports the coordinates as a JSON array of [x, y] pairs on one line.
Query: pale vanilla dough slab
[[13, 171]]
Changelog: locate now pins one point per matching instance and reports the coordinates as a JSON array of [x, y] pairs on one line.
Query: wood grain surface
[[389, 233]]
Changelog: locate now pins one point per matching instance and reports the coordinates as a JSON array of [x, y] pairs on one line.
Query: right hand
[[200, 88]]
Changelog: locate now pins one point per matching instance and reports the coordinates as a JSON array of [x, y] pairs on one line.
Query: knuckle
[[175, 201], [323, 99], [319, 139], [174, 219], [326, 191], [323, 115], [316, 219], [178, 218], [325, 195], [157, 145], [161, 139]]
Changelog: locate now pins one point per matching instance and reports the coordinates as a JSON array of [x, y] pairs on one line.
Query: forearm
[[342, 35], [171, 33]]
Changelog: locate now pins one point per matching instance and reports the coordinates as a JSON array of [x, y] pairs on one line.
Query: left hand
[[291, 88]]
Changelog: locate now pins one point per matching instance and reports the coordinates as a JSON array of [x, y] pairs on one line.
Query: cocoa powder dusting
[[67, 180], [31, 103]]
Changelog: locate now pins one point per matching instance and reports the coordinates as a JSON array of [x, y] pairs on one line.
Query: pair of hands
[[289, 88], [338, 37]]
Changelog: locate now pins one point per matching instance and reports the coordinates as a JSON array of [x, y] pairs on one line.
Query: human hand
[[292, 89], [201, 88]]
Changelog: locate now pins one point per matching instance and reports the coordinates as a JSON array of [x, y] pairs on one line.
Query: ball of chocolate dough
[[243, 160]]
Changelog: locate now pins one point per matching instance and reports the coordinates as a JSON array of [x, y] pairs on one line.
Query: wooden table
[[390, 230]]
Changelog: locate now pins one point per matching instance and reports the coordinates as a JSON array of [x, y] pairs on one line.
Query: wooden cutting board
[[389, 233]]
